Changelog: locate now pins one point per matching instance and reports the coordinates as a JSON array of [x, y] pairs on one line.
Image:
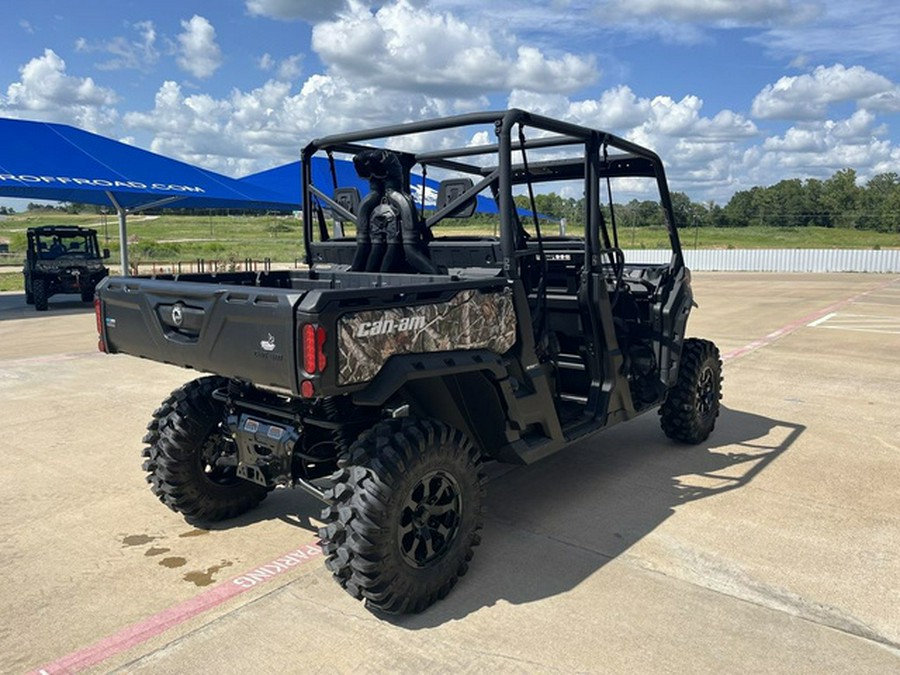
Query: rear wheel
[[692, 405], [39, 294], [406, 514], [191, 461]]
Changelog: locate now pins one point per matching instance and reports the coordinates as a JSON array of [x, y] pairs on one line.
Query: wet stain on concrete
[[199, 578], [155, 550], [192, 533], [137, 540], [173, 561]]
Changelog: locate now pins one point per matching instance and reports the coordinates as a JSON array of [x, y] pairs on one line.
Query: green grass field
[[11, 281], [169, 239], [174, 238]]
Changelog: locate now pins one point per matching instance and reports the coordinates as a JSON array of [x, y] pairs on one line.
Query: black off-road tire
[[184, 437], [689, 412], [87, 295], [39, 294], [406, 513]]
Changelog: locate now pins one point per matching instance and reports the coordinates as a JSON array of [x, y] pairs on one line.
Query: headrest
[[381, 167]]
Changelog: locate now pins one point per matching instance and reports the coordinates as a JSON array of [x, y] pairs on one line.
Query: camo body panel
[[470, 320]]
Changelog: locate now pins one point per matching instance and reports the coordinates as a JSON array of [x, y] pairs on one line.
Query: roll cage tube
[[644, 162]]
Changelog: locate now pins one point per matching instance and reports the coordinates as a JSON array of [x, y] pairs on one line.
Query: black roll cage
[[603, 155], [35, 234]]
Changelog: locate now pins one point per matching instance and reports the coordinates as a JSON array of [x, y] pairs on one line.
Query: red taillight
[[309, 348], [313, 338], [307, 389], [98, 313]]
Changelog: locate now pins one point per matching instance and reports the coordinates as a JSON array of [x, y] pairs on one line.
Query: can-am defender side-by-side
[[62, 259], [382, 377]]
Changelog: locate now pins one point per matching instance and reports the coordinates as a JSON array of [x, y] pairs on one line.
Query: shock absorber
[[332, 411]]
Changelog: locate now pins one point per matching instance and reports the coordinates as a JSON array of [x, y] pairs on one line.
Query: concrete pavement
[[773, 547]]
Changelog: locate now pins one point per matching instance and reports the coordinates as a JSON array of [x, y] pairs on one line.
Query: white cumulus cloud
[[266, 126], [45, 91], [405, 47], [808, 96], [818, 149], [700, 152], [198, 52], [884, 101]]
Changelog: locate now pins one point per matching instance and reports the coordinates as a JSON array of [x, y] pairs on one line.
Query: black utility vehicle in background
[[62, 259], [382, 377]]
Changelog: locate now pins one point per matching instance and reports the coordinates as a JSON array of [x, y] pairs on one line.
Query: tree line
[[835, 202]]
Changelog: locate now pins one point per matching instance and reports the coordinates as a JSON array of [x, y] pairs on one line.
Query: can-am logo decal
[[469, 320], [390, 326]]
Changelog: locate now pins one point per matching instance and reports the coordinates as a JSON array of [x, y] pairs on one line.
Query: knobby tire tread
[[175, 435], [680, 416], [39, 293], [358, 537]]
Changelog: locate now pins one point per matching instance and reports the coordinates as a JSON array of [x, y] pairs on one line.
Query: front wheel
[[39, 294], [191, 462], [406, 513], [692, 405]]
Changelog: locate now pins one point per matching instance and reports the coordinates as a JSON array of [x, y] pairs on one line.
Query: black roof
[[61, 229]]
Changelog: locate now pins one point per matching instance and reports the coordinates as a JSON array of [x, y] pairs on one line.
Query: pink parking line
[[158, 623], [163, 621], [794, 326]]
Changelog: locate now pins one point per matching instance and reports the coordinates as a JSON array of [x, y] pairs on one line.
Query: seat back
[[450, 190], [390, 233]]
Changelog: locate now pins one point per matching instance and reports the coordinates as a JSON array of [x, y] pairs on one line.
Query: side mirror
[[105, 253]]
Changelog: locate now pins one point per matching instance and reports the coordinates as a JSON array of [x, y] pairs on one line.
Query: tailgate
[[235, 331]]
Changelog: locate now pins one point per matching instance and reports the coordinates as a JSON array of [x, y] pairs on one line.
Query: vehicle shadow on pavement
[[553, 524], [13, 306]]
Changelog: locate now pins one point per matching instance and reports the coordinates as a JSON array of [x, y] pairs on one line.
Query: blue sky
[[731, 94]]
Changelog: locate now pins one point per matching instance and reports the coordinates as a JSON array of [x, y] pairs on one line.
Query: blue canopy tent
[[285, 181], [40, 160]]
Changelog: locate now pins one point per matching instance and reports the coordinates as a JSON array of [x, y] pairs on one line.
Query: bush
[[211, 249], [154, 250], [280, 226]]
